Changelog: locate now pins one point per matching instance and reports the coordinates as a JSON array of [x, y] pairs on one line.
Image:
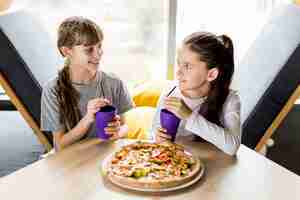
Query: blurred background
[[140, 42]]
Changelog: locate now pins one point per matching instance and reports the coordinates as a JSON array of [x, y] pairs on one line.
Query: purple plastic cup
[[170, 122], [103, 117]]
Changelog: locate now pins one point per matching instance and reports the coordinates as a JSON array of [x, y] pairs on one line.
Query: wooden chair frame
[[279, 119]]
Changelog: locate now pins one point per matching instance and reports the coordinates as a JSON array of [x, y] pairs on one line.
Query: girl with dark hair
[[201, 98], [70, 101]]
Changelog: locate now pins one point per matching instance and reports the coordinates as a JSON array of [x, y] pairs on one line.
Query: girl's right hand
[[94, 106], [162, 136]]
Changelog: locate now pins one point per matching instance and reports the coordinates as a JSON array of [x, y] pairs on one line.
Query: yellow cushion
[[148, 93], [139, 121]]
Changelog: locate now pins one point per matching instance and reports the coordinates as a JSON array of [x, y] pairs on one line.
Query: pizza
[[146, 165]]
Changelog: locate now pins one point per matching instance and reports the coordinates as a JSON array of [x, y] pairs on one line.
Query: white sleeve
[[228, 139]]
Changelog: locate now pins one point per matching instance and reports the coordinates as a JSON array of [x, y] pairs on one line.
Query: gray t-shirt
[[105, 86]]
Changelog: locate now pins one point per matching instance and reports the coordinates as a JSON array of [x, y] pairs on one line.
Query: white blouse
[[228, 139]]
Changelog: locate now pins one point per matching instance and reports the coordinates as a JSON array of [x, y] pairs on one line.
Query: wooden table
[[75, 174]]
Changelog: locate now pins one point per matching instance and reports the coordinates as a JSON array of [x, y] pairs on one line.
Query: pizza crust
[[150, 183], [144, 183]]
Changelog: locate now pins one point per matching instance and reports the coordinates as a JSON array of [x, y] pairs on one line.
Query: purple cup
[[170, 122], [103, 117]]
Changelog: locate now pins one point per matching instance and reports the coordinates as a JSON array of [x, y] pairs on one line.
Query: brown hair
[[72, 31], [215, 51]]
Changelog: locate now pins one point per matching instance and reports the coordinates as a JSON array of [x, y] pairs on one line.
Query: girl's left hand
[[113, 128], [178, 107]]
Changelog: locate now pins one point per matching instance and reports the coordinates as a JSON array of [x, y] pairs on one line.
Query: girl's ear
[[65, 51], [212, 74]]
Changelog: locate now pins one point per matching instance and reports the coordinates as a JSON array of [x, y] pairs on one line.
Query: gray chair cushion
[[33, 43], [269, 72]]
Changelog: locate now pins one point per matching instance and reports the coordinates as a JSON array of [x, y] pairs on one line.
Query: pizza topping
[[151, 160], [140, 172]]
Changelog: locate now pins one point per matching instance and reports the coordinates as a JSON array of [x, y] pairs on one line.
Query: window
[[134, 32], [240, 20], [138, 46]]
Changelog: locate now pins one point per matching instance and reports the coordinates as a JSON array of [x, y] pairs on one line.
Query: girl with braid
[[70, 101], [208, 109]]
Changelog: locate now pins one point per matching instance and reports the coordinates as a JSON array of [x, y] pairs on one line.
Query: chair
[[269, 76], [28, 59]]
